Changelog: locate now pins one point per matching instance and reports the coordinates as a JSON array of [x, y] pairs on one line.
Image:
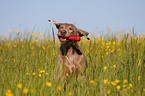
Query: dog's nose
[[63, 32]]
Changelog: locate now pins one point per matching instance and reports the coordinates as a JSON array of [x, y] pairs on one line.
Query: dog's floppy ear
[[83, 33], [56, 24]]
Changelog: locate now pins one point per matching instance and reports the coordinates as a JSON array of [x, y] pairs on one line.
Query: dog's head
[[66, 30]]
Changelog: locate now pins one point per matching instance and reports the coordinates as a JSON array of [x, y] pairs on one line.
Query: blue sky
[[93, 16]]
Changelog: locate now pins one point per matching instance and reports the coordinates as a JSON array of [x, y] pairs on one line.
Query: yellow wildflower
[[33, 34], [124, 89], [43, 71], [39, 32], [132, 91], [33, 73], [46, 73], [19, 85], [114, 66], [107, 47], [67, 74], [108, 92], [48, 84], [106, 81], [36, 40], [32, 41], [92, 82], [59, 88], [9, 93], [125, 85], [105, 68], [113, 42], [125, 81], [138, 77], [118, 87], [43, 47], [25, 90], [69, 93], [114, 84], [130, 85], [39, 75], [117, 81], [32, 90], [109, 28]]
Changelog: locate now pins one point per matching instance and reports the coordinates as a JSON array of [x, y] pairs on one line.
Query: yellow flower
[[138, 77], [9, 91], [19, 85], [117, 81], [59, 88], [114, 66], [33, 73], [92, 82], [130, 85], [48, 84], [106, 81], [125, 81], [36, 40], [46, 73], [134, 38], [43, 47], [67, 74], [32, 41], [114, 84], [113, 42], [39, 32], [39, 75], [143, 89], [33, 34], [105, 68], [107, 47], [32, 90], [25, 90], [108, 92], [118, 87], [69, 93], [125, 85], [124, 89], [109, 28], [9, 94], [43, 71], [132, 91], [27, 73]]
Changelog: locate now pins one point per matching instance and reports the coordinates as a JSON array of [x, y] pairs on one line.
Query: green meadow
[[29, 64]]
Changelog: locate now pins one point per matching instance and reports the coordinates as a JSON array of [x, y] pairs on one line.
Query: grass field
[[116, 66]]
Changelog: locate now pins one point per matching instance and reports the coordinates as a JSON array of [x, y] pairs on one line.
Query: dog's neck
[[65, 48]]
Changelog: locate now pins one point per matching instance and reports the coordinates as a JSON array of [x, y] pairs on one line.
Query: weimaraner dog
[[71, 57]]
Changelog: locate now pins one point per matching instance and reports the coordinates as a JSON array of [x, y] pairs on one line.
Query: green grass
[[111, 60]]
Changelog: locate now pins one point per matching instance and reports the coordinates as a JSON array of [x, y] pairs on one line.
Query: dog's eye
[[61, 27], [70, 28]]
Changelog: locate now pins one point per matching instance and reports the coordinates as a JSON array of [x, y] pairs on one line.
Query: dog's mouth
[[63, 39]]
